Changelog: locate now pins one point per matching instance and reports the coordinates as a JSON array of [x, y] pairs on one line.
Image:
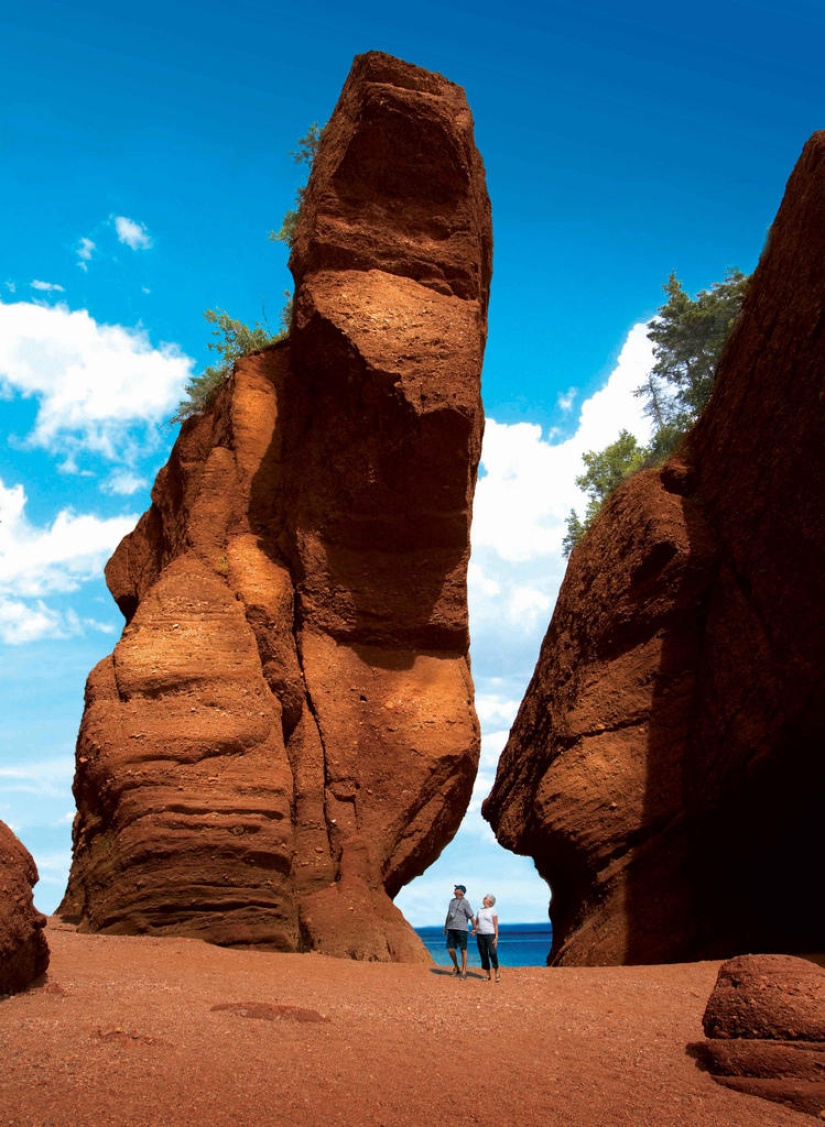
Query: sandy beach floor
[[139, 1032]]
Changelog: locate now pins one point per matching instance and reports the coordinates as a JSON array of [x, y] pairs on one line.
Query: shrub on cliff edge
[[688, 336]]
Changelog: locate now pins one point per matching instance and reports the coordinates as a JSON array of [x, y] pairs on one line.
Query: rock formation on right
[[666, 768]]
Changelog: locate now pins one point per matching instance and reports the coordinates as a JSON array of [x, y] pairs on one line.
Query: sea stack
[[665, 770], [285, 734]]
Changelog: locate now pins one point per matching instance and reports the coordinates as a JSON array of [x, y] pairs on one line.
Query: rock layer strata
[[765, 1024], [285, 734], [24, 952], [665, 768]]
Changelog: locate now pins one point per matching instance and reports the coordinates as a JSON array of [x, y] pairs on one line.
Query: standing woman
[[485, 929]]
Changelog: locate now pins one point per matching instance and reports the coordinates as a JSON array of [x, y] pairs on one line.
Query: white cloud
[[46, 287], [24, 622], [492, 745], [36, 563], [101, 388], [133, 234], [565, 402], [520, 516], [124, 483], [495, 710], [85, 250], [529, 486], [53, 873], [48, 778]]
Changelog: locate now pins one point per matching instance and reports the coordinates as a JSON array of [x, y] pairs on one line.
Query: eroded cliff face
[[24, 952], [285, 734], [665, 770]]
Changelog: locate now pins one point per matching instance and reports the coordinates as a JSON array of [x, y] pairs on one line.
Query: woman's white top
[[485, 921]]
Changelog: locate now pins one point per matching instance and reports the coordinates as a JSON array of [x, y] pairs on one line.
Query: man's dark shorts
[[456, 940]]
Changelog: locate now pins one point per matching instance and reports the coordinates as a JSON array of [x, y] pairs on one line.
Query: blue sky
[[145, 157]]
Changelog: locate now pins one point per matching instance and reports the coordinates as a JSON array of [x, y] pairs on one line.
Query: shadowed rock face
[[665, 769], [24, 952], [285, 734]]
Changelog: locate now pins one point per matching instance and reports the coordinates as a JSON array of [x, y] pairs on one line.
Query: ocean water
[[519, 945]]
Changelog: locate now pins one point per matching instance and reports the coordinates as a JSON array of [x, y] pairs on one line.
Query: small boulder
[[765, 1024]]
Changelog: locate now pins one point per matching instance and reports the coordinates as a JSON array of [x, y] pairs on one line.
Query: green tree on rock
[[305, 154], [688, 336], [234, 338], [605, 470]]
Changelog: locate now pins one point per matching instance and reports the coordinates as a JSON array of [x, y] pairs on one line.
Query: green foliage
[[305, 154], [286, 232], [234, 339], [688, 336], [308, 145], [605, 470], [575, 530]]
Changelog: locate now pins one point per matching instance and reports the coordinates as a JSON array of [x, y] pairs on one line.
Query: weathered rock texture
[[765, 1024], [24, 952], [285, 734], [665, 770]]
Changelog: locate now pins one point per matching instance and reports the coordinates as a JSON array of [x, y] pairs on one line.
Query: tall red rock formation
[[666, 768], [24, 952], [285, 734]]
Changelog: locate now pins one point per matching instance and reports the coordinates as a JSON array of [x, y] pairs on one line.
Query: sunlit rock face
[[665, 770], [24, 952], [285, 734]]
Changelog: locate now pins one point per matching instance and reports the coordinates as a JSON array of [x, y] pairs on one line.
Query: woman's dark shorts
[[456, 940]]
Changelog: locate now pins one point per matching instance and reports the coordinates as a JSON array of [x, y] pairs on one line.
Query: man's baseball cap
[[461, 887]]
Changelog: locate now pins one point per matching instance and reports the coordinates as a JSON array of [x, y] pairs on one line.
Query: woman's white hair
[[491, 898]]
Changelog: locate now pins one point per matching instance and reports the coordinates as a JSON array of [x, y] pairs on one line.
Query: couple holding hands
[[460, 918]]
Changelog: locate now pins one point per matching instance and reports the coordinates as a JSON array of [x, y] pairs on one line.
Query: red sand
[[139, 1032]]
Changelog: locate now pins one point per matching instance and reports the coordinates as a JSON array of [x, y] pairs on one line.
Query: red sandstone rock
[[765, 1024], [24, 952], [665, 768], [767, 997], [285, 734]]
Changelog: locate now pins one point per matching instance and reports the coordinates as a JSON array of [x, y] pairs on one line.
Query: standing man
[[456, 926]]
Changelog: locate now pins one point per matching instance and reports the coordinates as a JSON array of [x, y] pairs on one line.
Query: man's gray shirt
[[459, 914]]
